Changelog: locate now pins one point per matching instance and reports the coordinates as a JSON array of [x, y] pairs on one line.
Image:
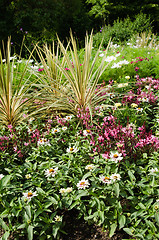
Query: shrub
[[123, 30]]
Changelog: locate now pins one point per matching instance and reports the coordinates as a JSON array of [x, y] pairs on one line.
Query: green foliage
[[123, 30]]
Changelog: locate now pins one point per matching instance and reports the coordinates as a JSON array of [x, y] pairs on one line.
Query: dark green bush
[[122, 30]]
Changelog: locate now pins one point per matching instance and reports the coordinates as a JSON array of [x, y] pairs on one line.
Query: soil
[[78, 229]]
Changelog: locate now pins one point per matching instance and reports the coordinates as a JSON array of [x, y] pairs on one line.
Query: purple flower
[[21, 29]]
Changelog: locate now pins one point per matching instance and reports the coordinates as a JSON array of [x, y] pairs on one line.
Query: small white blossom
[[115, 156], [90, 167], [29, 195], [110, 58], [55, 130], [154, 170], [43, 142], [86, 132], [68, 118], [64, 128], [27, 176], [115, 177], [105, 179], [72, 149], [83, 184], [51, 172], [58, 219]]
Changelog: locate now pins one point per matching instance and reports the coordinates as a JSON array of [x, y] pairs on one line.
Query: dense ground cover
[[77, 138]]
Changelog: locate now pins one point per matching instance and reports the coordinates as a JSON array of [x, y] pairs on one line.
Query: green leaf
[[128, 231], [141, 205], [4, 181], [157, 218], [116, 189], [151, 225], [21, 226], [3, 225], [28, 211], [131, 176], [101, 215], [112, 229], [122, 221], [55, 230], [5, 236], [30, 232], [81, 194]]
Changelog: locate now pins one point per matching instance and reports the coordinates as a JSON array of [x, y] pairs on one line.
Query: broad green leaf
[[30, 232], [141, 205], [131, 176], [112, 229], [122, 221], [157, 217], [28, 211], [5, 236], [128, 231], [3, 225], [4, 181], [116, 189]]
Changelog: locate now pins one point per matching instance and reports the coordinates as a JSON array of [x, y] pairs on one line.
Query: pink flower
[[10, 126]]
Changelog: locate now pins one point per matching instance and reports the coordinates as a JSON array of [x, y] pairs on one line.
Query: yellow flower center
[[115, 177], [71, 149], [51, 170], [30, 194], [88, 131], [55, 130], [115, 155], [106, 178], [82, 183]]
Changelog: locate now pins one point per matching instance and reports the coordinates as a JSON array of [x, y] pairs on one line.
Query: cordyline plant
[[14, 98], [77, 88]]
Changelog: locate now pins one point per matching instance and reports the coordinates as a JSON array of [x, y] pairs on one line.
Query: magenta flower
[[10, 126], [136, 69]]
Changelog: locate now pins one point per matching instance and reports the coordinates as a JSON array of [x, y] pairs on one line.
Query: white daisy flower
[[115, 177], [115, 156], [86, 132], [58, 219], [105, 179], [43, 141], [154, 170], [110, 58], [29, 195], [101, 55], [27, 176], [64, 128], [51, 172], [62, 190], [83, 184], [55, 130], [139, 109], [72, 149], [69, 189], [90, 167], [1, 176], [127, 77], [68, 118]]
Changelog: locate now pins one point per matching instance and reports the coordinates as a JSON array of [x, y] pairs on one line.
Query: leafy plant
[[78, 90], [14, 98]]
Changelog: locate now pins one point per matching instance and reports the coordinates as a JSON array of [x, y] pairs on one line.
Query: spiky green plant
[[78, 87], [14, 98]]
